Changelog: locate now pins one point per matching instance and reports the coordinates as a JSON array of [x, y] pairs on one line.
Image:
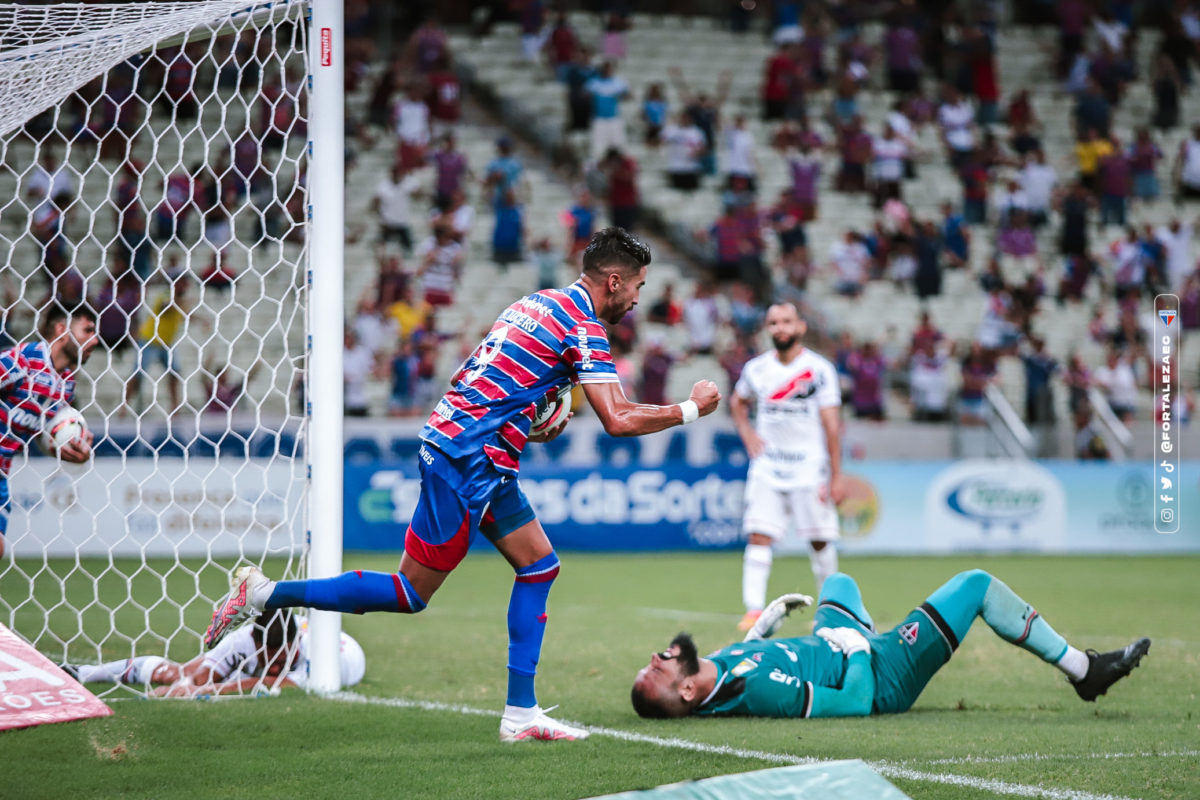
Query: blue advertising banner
[[892, 507]]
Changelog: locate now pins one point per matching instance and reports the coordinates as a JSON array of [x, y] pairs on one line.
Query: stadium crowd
[[1032, 235]]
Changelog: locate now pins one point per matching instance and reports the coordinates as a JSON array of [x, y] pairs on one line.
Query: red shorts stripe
[[442, 557]]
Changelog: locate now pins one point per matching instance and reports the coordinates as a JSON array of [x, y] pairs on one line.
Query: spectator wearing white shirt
[[608, 128], [1009, 199], [701, 318], [740, 157], [956, 117], [393, 205], [684, 144], [889, 152], [1118, 381], [440, 259], [929, 383], [1038, 181], [49, 179], [1176, 239], [850, 259], [357, 365], [411, 118], [372, 329]]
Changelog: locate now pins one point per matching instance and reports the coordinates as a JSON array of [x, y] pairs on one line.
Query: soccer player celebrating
[[846, 669], [795, 474], [272, 653], [542, 343], [36, 380]]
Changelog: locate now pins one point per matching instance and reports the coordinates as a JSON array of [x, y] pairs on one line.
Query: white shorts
[[778, 512]]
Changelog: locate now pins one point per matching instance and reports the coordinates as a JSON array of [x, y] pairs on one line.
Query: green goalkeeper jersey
[[774, 678]]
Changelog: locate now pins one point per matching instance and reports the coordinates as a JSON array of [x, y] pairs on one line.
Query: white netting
[[153, 166]]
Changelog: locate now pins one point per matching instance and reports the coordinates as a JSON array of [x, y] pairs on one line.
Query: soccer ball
[[553, 411], [64, 426]]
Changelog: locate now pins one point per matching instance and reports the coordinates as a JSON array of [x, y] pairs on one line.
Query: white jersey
[[789, 398], [238, 657]]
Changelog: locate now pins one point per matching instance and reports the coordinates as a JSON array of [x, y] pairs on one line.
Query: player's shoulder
[[812, 357]]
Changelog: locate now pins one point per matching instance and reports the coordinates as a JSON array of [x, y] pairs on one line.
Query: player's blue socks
[[527, 626], [352, 592], [976, 593]]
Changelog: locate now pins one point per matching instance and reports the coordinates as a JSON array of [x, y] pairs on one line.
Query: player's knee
[[975, 579], [544, 570]]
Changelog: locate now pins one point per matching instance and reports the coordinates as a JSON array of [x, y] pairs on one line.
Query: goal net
[[153, 163]]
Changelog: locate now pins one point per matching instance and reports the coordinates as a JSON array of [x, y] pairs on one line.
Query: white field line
[[1013, 759], [889, 769]]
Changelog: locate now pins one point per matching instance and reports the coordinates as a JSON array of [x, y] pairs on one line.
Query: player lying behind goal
[[846, 669], [273, 653]]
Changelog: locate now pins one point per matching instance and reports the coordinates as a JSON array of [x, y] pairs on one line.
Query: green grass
[[607, 613]]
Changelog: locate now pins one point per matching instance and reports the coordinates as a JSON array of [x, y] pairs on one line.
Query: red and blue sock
[[527, 627], [351, 592]]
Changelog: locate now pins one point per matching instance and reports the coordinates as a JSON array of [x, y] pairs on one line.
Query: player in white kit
[[271, 654], [795, 475]]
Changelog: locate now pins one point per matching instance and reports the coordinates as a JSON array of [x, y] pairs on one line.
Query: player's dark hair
[[56, 312], [275, 629], [645, 707], [611, 248]]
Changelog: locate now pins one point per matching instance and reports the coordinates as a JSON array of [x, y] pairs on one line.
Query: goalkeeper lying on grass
[[270, 654], [847, 669]]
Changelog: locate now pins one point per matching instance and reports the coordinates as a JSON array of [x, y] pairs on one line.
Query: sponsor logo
[[326, 47], [785, 679], [742, 667], [909, 632], [444, 410], [800, 387], [992, 501], [859, 510], [585, 352]]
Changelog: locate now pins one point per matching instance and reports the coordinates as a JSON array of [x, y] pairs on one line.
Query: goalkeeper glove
[[845, 640], [772, 616]]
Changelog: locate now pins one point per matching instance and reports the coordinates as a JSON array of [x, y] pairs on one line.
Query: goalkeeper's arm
[[856, 694]]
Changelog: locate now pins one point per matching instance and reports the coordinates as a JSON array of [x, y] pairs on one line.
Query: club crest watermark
[[1166, 416]]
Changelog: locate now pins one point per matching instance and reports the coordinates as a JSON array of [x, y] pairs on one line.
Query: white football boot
[[540, 727], [243, 603]]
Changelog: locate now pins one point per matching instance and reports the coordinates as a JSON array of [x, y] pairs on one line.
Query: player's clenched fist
[[706, 396]]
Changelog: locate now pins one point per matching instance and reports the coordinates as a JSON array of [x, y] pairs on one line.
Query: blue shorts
[[5, 506], [460, 497]]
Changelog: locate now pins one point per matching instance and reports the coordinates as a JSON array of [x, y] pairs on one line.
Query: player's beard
[[689, 657], [783, 345]]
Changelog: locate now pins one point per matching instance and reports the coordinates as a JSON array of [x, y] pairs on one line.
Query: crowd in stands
[[1054, 235], [1050, 236]]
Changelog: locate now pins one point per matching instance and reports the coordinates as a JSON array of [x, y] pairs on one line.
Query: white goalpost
[[178, 169]]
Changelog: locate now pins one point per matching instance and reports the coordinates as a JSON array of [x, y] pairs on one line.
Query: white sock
[[260, 595], [756, 568], [519, 714], [1074, 663], [824, 563], [133, 671]]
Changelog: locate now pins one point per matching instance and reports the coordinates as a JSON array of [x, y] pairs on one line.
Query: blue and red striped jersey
[[546, 341], [31, 391]]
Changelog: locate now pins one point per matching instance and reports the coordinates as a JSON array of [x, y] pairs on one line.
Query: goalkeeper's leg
[[976, 593]]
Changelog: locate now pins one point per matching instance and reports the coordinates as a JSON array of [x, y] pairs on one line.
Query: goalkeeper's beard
[[689, 657]]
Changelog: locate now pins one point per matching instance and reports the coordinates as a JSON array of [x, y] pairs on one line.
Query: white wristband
[[691, 411]]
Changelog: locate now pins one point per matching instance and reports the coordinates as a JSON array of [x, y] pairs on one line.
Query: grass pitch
[[995, 722]]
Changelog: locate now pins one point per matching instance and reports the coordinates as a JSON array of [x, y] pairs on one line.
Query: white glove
[[845, 640], [773, 615]]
